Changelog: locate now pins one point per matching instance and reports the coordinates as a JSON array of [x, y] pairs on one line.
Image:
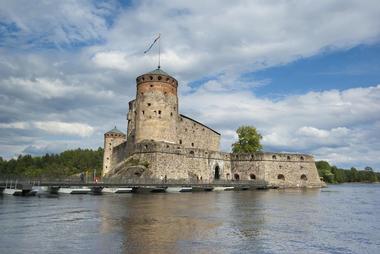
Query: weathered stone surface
[[161, 144]]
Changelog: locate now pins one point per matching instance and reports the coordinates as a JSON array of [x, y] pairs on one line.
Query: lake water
[[340, 219]]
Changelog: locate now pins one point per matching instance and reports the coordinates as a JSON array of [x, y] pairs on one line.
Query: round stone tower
[[156, 107], [112, 138]]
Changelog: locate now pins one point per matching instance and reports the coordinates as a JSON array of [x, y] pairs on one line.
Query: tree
[[324, 171], [249, 140]]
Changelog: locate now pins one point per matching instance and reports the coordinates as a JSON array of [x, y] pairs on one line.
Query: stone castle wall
[[111, 140], [194, 134], [178, 162], [156, 109]]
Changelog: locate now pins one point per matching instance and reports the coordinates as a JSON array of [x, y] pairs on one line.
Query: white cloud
[[53, 127], [15, 125], [327, 124]]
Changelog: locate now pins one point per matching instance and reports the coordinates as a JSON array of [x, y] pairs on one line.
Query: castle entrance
[[217, 173]]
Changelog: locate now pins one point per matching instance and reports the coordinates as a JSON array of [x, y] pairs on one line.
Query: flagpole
[[159, 50]]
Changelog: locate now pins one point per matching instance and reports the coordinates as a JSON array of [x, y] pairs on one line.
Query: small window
[[149, 104], [252, 177], [159, 112], [143, 112], [280, 167], [288, 158], [167, 79], [174, 108], [303, 177], [191, 152], [146, 146], [302, 158], [274, 157], [151, 85], [159, 78], [167, 146], [281, 177], [236, 177], [192, 144], [108, 158], [180, 141], [185, 129], [151, 77], [171, 113]]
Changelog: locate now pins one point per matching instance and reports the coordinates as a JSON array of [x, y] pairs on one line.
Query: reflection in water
[[340, 219]]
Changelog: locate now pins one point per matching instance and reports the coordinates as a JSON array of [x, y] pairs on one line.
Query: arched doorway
[[252, 176], [217, 173], [303, 177], [236, 177], [281, 177]]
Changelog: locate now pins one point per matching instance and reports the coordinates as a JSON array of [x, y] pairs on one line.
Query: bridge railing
[[127, 181]]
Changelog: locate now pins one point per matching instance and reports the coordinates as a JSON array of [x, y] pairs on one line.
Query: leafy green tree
[[249, 140], [324, 171]]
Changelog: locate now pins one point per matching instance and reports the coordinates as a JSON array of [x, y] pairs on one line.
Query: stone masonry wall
[[156, 111], [193, 134], [178, 162], [110, 142]]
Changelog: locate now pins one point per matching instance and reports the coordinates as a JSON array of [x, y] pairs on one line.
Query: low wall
[[178, 162]]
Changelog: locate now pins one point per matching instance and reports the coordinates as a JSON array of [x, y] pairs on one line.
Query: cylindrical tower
[[156, 107], [112, 138]]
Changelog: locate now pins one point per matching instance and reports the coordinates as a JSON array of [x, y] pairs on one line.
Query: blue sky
[[306, 74], [343, 69]]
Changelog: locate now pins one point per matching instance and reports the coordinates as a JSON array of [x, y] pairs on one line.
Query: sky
[[306, 74]]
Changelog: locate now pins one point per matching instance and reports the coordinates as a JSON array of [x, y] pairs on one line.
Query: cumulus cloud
[[53, 127], [327, 124]]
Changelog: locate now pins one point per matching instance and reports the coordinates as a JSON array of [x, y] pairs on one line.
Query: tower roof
[[115, 130], [158, 72]]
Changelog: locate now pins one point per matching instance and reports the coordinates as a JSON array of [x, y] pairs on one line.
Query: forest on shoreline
[[67, 163], [333, 174], [72, 162]]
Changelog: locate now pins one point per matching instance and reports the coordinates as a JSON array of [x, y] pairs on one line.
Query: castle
[[161, 144]]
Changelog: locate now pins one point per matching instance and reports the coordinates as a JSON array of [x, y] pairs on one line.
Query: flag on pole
[[146, 51]]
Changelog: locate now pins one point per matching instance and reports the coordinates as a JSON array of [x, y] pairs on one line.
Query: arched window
[[303, 177], [252, 177], [281, 177], [236, 177]]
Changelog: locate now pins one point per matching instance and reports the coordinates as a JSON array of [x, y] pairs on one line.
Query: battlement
[[161, 77]]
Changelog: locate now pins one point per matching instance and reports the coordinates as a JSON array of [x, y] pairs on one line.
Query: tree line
[[333, 174], [67, 163]]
